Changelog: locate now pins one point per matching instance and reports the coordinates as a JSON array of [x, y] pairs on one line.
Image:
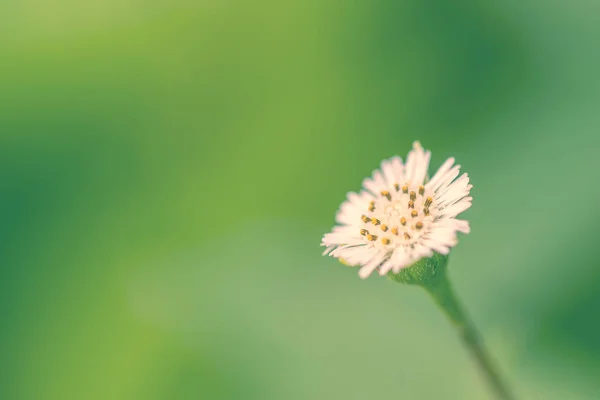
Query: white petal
[[387, 167], [385, 268], [402, 260], [328, 249], [342, 238], [447, 178], [376, 184], [457, 208], [423, 252], [414, 159], [444, 238], [398, 267], [438, 247], [397, 255], [452, 224], [359, 255], [343, 250], [398, 168], [421, 169], [462, 226], [454, 191], [440, 173], [351, 210], [366, 270]]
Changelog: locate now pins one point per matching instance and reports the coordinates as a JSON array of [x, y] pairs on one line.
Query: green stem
[[441, 291]]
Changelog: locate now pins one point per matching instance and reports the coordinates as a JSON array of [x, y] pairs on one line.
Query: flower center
[[398, 217]]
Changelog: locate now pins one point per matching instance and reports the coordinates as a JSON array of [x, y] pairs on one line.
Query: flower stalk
[[431, 274]]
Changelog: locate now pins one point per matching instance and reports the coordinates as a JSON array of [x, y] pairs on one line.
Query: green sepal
[[425, 272]]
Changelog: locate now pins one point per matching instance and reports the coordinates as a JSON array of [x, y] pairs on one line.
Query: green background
[[167, 170]]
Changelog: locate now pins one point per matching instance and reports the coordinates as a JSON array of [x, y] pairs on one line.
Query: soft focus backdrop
[[167, 169]]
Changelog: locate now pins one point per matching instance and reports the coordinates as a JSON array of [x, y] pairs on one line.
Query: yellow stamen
[[384, 227], [411, 204], [376, 221], [386, 194], [419, 225], [403, 221], [386, 241], [365, 219], [406, 236], [428, 201], [395, 231], [413, 195], [371, 238], [414, 213], [421, 190]]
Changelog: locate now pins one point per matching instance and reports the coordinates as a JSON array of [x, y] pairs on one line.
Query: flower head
[[401, 216]]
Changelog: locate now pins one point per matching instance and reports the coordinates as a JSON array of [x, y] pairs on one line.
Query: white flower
[[401, 216]]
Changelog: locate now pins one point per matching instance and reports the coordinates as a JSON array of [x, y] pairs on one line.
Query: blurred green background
[[167, 169]]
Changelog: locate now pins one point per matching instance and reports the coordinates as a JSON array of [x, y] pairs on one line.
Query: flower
[[401, 216]]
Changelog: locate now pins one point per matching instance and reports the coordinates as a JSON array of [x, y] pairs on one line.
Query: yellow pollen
[[343, 261], [413, 195], [428, 201], [426, 211], [376, 221], [419, 225], [406, 236], [384, 227], [405, 189], [386, 194], [371, 238], [385, 241], [396, 186], [421, 190], [414, 213], [411, 204], [365, 219], [403, 221], [372, 207], [364, 232], [395, 231]]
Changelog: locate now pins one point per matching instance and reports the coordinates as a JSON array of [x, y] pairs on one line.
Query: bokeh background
[[167, 169]]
